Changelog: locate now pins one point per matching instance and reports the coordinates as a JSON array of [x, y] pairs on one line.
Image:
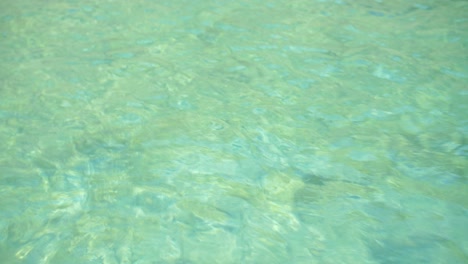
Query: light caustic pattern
[[233, 132]]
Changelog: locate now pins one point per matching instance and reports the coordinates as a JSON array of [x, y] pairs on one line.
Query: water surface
[[233, 131]]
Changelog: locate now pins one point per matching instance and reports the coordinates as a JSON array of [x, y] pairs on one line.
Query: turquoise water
[[233, 131]]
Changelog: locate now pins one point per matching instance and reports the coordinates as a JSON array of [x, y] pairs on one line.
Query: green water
[[216, 131]]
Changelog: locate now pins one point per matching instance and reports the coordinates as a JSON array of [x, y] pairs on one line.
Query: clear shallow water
[[233, 132]]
